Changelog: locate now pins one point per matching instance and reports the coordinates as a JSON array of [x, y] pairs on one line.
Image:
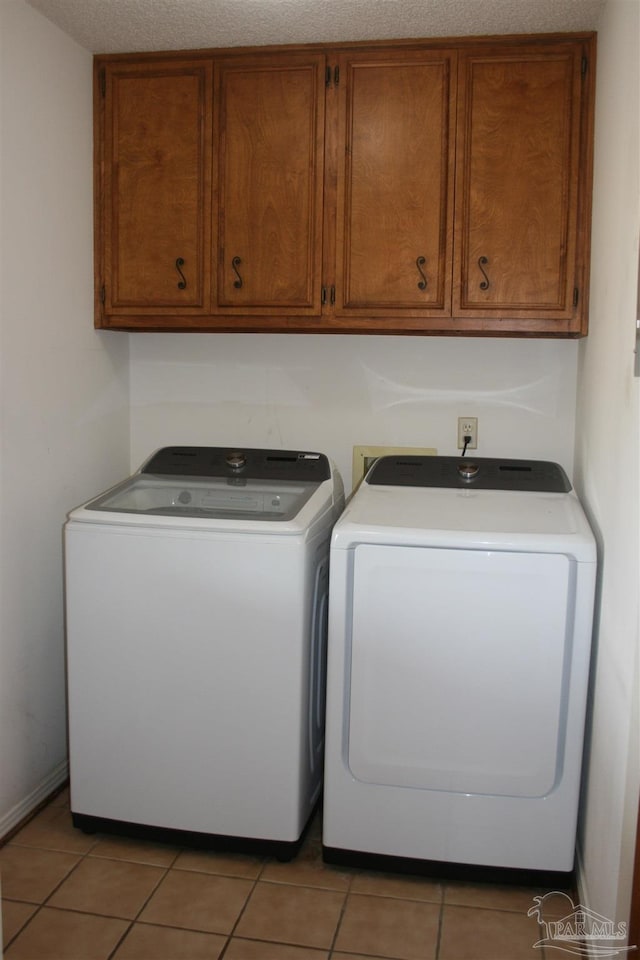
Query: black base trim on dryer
[[439, 869]]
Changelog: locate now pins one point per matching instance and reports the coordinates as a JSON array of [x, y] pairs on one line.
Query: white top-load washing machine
[[196, 598], [461, 603]]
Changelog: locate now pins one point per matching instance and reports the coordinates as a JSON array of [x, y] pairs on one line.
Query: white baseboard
[[582, 891], [593, 953], [25, 806], [581, 880]]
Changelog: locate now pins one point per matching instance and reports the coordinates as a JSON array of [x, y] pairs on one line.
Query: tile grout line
[[83, 857], [244, 907], [341, 917], [148, 898], [259, 879], [44, 902], [436, 954], [25, 924]]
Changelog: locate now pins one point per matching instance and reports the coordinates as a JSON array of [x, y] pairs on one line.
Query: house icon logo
[[576, 929]]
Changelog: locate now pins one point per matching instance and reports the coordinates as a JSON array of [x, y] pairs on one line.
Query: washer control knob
[[468, 470], [236, 460]]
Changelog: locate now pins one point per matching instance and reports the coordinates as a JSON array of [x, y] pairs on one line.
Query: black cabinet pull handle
[[332, 296], [235, 263], [484, 284], [422, 284], [182, 282]]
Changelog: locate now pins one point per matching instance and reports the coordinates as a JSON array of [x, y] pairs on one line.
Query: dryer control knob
[[236, 460], [468, 470]]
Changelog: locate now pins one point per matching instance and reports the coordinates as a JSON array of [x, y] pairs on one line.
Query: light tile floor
[[69, 896]]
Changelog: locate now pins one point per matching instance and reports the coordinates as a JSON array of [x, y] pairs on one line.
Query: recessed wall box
[[363, 457]]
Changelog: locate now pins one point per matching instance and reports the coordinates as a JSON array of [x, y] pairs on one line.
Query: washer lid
[[481, 473], [209, 498]]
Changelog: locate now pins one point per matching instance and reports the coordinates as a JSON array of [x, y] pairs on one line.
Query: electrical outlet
[[468, 427]]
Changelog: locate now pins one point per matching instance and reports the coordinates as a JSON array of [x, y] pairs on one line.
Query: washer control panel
[[249, 463]]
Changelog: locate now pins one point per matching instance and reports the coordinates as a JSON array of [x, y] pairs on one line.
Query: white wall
[[330, 392], [63, 387], [608, 429]]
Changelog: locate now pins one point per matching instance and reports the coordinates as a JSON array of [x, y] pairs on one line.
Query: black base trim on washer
[[283, 850], [439, 869]]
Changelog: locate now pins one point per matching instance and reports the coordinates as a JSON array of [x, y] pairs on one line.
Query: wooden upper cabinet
[[269, 178], [154, 181], [412, 187], [521, 172], [395, 154]]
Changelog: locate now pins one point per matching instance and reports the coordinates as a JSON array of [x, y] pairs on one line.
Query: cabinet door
[[156, 187], [394, 185], [519, 170], [270, 138]]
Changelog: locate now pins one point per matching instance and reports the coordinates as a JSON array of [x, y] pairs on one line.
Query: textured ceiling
[[113, 26]]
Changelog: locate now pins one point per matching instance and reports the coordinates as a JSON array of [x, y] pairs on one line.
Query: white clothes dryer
[[196, 598], [460, 617]]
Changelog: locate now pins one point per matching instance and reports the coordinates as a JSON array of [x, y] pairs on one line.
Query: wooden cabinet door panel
[[395, 165], [270, 168], [157, 189], [517, 182]]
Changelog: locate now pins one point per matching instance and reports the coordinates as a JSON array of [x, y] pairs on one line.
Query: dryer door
[[460, 663]]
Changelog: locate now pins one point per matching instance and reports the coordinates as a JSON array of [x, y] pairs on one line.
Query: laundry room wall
[[63, 387], [607, 471], [331, 392]]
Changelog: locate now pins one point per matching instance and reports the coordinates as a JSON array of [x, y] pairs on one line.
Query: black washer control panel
[[249, 463]]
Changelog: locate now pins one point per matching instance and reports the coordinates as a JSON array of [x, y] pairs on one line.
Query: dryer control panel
[[483, 473]]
